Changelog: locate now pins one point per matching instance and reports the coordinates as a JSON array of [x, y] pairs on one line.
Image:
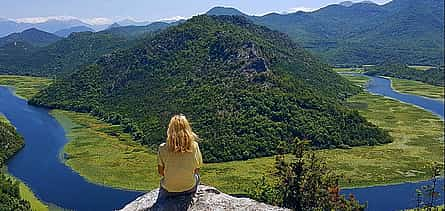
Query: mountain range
[[345, 34], [401, 31], [247, 89]]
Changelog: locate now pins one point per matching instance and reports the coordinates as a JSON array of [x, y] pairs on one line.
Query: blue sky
[[105, 11]]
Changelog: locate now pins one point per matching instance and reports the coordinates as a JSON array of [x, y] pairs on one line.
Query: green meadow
[[349, 69], [102, 154], [418, 88], [422, 68], [25, 86]]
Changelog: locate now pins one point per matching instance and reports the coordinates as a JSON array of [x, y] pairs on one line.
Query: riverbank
[[103, 155], [418, 88], [25, 191]]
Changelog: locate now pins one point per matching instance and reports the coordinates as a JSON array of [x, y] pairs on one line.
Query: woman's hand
[[161, 170]]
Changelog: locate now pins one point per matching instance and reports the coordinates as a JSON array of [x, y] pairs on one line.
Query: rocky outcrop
[[207, 198]]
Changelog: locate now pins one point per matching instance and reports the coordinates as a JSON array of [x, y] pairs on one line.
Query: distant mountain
[[401, 31], [350, 3], [53, 25], [246, 88], [114, 25], [136, 31], [67, 54], [225, 11], [128, 22], [67, 32], [32, 36]]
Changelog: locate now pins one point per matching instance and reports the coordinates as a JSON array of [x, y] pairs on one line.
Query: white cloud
[[97, 21], [44, 19], [174, 18], [91, 21]]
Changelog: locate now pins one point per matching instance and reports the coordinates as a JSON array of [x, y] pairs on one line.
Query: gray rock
[[207, 198]]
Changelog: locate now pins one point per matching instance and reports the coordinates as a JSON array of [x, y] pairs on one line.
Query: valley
[[338, 107], [104, 155]]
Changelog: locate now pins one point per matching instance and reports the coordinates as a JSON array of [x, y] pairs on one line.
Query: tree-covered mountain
[[32, 36], [69, 53], [245, 88], [401, 31], [10, 143], [68, 31], [433, 76]]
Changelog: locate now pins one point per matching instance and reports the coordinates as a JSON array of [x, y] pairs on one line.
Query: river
[[399, 196], [39, 166]]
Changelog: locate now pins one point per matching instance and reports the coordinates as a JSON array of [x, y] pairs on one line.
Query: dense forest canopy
[[244, 87], [401, 31], [433, 76], [62, 57], [10, 143]]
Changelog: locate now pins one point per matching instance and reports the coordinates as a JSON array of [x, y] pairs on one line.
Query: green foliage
[[304, 183], [433, 76], [427, 195], [10, 143], [402, 31], [244, 87]]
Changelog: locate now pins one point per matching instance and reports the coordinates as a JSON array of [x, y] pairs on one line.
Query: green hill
[[245, 88], [70, 53], [401, 31], [32, 36]]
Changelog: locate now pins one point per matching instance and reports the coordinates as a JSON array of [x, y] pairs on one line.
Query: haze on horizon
[[99, 12]]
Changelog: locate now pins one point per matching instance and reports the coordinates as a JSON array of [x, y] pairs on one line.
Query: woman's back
[[179, 167]]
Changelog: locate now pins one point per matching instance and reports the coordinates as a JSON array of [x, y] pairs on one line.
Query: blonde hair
[[180, 135]]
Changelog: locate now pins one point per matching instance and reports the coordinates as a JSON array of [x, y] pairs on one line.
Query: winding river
[[399, 196], [39, 166]]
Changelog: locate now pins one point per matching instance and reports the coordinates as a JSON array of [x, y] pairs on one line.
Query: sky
[[108, 11]]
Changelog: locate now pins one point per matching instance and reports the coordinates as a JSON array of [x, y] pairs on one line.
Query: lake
[[39, 166]]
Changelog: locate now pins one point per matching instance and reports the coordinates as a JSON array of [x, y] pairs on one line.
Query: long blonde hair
[[180, 135]]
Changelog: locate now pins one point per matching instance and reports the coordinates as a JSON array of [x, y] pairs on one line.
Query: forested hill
[[70, 53], [401, 31], [10, 143], [32, 36], [433, 76], [245, 88]]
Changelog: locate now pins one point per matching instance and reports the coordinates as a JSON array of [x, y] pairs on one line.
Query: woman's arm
[[161, 170]]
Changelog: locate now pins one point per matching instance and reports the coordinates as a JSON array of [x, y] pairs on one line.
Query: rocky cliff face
[[207, 198]]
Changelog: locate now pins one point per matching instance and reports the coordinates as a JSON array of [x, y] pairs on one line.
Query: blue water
[[39, 166], [400, 196]]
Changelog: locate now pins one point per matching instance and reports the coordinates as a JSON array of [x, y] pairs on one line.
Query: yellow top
[[179, 168]]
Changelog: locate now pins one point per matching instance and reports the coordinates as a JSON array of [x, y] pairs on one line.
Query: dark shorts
[[164, 193], [175, 201]]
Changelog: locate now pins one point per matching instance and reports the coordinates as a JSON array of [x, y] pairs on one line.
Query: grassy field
[[354, 70], [422, 68], [25, 86], [418, 88], [104, 159]]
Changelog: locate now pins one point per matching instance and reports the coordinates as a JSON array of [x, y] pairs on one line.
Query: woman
[[179, 160]]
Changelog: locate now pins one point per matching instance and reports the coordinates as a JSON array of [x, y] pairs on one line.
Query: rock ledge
[[207, 198]]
